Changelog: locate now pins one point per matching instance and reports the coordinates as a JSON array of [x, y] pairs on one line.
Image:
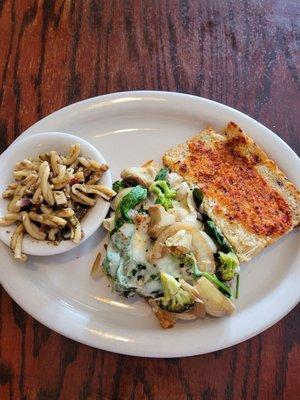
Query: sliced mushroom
[[200, 248], [165, 318], [198, 311], [141, 175], [216, 304], [109, 223], [209, 241], [168, 319], [159, 220], [180, 243], [179, 211]]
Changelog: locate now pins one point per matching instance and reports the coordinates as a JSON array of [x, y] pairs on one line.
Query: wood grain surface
[[241, 53]]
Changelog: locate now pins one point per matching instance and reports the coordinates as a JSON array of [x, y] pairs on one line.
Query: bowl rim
[[35, 247]]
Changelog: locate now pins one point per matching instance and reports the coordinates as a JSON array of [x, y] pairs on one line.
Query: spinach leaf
[[136, 195], [198, 197], [220, 285], [131, 200], [162, 174], [217, 235]]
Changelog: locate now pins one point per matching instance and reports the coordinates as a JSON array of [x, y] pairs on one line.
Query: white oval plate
[[128, 129], [33, 145]]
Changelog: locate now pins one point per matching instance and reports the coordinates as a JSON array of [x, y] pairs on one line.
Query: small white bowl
[[30, 147]]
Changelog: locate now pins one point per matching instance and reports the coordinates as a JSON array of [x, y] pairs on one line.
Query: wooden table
[[53, 53]]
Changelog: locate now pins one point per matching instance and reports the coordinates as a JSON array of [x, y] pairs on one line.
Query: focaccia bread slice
[[245, 193]]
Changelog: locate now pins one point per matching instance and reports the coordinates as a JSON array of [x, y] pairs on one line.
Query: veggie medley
[[164, 248]]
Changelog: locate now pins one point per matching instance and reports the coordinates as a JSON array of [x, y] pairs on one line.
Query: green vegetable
[[121, 282], [118, 224], [237, 287], [164, 194], [229, 266], [136, 195], [198, 197], [220, 285], [216, 234], [190, 263], [131, 200], [162, 174], [174, 299], [118, 186]]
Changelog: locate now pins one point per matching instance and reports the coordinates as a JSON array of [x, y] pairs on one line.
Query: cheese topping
[[223, 174]]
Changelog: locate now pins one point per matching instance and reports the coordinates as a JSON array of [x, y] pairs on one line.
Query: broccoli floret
[[164, 194], [190, 262], [175, 299], [229, 266]]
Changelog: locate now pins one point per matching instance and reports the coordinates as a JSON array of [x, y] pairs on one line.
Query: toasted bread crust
[[245, 192]]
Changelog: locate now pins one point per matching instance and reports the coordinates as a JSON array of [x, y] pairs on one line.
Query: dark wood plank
[[241, 53]]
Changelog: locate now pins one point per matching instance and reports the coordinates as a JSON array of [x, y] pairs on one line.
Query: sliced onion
[[116, 201], [210, 242], [199, 247], [216, 304]]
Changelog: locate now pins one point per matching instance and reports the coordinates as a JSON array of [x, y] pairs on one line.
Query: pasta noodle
[[16, 243], [31, 228], [50, 195], [44, 172], [54, 160], [74, 154]]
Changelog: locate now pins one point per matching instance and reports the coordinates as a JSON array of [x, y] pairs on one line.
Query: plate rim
[[125, 348]]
